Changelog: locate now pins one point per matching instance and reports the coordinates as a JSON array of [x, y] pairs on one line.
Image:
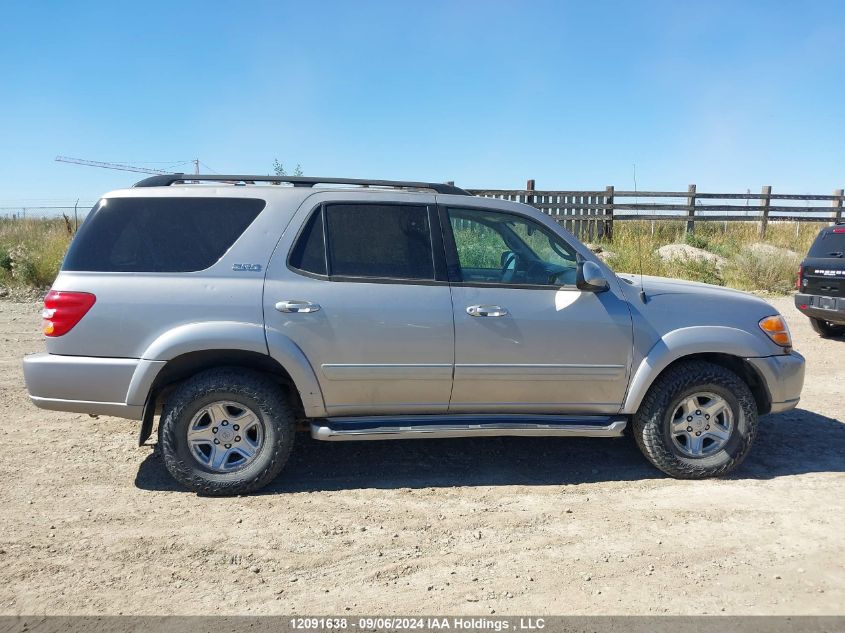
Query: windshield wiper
[[835, 254]]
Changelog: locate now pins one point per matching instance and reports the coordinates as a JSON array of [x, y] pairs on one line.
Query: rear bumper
[[784, 377], [85, 384], [809, 305]]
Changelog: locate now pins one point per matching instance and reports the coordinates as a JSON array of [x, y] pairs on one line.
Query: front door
[[526, 339], [361, 290]]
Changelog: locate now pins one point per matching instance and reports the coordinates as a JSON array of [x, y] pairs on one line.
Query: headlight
[[776, 329]]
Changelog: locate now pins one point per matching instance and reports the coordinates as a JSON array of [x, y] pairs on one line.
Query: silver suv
[[242, 309]]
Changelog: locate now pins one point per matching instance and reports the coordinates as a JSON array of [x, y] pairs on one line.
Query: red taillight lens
[[798, 281], [63, 310], [839, 230]]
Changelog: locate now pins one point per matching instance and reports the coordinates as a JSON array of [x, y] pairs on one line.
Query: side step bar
[[342, 429]]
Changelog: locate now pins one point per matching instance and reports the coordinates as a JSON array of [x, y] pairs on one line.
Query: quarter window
[[159, 234], [309, 254]]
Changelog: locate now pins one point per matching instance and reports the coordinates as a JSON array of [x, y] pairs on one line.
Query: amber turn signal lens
[[777, 330]]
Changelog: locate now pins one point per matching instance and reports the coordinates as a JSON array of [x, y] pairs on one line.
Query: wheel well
[[741, 368], [182, 367]]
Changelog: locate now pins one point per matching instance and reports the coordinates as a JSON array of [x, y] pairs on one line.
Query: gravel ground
[[93, 524]]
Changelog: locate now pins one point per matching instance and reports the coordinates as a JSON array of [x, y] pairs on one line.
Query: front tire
[[827, 329], [226, 431], [697, 420]]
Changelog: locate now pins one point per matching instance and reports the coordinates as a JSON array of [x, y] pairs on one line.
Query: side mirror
[[591, 278]]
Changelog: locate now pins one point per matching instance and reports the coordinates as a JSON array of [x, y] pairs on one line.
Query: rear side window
[[159, 234], [379, 240], [829, 244]]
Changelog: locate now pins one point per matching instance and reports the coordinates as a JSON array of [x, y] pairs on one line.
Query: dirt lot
[[91, 523]]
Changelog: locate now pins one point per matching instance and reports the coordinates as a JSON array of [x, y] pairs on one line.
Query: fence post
[[530, 198], [837, 205], [691, 209], [608, 213], [764, 210]]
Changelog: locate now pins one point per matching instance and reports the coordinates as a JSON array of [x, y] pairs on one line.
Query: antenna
[[643, 297]]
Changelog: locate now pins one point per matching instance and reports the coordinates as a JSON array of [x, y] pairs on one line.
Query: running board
[[439, 426]]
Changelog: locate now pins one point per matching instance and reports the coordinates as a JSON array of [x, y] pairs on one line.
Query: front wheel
[[697, 420], [826, 328], [226, 431]]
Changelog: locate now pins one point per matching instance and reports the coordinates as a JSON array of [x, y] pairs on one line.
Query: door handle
[[487, 311], [297, 306]]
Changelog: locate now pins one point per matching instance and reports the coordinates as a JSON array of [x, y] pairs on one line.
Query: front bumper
[[809, 305], [783, 377], [86, 384]]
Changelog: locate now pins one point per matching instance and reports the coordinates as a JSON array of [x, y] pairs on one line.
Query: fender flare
[[288, 354], [684, 342], [228, 335]]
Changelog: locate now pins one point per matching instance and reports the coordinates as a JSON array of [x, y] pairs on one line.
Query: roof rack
[[299, 181]]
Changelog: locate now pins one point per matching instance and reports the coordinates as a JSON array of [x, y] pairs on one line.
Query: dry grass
[[31, 251], [635, 243]]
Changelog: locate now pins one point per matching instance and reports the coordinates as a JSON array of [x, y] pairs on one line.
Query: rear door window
[[159, 234], [391, 241]]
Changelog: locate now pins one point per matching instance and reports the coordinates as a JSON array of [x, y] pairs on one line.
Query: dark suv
[[821, 282]]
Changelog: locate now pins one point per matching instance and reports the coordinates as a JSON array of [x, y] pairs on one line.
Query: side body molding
[[686, 342]]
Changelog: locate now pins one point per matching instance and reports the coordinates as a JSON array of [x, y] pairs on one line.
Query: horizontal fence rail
[[591, 214]]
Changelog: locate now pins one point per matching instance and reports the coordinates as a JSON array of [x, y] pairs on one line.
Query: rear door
[[361, 289]]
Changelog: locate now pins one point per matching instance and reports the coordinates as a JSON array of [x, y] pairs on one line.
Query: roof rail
[[299, 181]]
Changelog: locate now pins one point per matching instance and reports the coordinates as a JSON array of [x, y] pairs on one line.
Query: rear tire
[[827, 329], [204, 446], [680, 441]]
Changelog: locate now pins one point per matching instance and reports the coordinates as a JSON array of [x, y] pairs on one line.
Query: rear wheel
[[226, 432], [826, 328], [698, 420]]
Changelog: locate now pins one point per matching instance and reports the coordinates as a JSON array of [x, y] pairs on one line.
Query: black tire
[[652, 430], [250, 388], [827, 329]]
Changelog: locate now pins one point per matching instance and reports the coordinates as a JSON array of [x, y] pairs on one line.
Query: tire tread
[[647, 422], [249, 383]]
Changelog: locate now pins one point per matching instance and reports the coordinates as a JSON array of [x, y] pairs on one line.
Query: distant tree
[[279, 169]]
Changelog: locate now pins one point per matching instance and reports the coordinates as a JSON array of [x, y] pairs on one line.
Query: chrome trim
[[427, 427], [487, 311], [297, 306]]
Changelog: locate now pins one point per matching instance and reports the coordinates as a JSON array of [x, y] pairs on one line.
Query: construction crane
[[120, 166]]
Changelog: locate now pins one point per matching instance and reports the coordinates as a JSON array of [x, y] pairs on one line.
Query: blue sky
[[727, 95]]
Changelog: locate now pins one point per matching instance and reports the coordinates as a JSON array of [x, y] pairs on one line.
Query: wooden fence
[[591, 214]]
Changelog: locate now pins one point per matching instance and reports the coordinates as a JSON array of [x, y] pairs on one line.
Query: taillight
[[63, 310], [798, 281], [839, 230]]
